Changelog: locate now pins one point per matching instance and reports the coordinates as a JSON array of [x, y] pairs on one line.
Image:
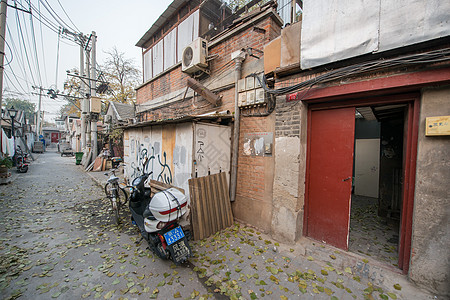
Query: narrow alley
[[58, 240]]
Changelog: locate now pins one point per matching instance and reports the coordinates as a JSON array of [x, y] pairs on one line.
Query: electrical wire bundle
[[434, 56]]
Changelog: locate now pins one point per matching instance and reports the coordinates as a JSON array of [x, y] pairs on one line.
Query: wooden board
[[158, 186], [210, 205], [98, 163]]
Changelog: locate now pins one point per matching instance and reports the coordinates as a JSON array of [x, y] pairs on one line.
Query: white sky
[[117, 23]]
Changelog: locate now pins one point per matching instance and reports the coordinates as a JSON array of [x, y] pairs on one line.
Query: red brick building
[[350, 127]]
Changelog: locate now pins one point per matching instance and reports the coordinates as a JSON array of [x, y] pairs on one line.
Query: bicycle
[[115, 194]]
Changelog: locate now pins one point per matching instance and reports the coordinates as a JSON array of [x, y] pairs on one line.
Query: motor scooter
[[158, 218], [21, 160]]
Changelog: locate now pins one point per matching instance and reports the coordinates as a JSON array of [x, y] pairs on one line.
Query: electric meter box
[[96, 105], [251, 97], [242, 101], [249, 83], [241, 85], [260, 96]]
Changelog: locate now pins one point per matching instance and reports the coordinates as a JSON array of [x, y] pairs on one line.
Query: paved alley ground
[[58, 241]]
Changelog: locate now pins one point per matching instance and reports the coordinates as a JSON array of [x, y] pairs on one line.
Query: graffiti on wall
[[150, 160]]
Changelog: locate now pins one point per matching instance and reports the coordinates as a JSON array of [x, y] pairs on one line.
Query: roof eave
[[173, 7]]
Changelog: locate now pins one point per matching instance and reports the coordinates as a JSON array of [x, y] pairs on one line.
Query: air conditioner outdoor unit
[[194, 56]]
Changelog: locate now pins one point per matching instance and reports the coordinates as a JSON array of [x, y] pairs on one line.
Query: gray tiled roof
[[123, 111]]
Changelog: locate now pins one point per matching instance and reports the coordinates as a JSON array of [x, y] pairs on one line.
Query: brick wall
[[255, 174], [175, 80], [251, 169], [287, 122]]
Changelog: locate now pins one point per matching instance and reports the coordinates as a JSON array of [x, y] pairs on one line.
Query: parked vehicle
[[117, 195], [65, 149], [158, 218], [21, 160], [38, 147]]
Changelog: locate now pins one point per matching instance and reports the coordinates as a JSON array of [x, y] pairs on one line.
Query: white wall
[[334, 30], [367, 167]]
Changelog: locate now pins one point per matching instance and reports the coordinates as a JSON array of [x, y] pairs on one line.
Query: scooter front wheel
[[23, 169]]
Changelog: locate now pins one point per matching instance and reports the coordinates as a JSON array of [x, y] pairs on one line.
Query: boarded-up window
[[167, 52], [170, 49], [187, 32], [148, 65], [158, 58]]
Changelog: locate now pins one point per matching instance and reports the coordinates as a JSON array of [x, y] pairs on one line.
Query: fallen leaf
[[310, 258], [397, 286], [162, 283], [177, 295], [392, 295], [56, 295], [109, 294]]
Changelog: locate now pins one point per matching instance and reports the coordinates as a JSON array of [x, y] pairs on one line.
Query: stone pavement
[[242, 263], [58, 241]]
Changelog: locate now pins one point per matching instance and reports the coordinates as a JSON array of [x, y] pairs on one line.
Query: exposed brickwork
[[175, 80], [254, 188], [287, 122], [251, 170]]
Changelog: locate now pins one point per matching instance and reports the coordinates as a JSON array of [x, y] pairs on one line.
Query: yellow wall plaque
[[438, 126]]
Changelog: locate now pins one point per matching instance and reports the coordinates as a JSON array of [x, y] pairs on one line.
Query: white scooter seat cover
[[168, 205]]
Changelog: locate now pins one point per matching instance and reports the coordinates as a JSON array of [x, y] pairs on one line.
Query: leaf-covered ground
[[58, 241], [240, 262]]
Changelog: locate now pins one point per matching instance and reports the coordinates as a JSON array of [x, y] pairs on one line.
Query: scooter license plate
[[174, 235]]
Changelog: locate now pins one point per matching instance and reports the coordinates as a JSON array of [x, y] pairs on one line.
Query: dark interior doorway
[[377, 182]]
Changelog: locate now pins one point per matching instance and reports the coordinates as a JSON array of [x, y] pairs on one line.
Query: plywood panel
[[210, 203]]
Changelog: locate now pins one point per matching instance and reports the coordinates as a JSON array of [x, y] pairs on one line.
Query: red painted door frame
[[409, 168]]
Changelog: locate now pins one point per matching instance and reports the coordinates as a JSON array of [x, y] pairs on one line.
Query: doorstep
[[367, 269]]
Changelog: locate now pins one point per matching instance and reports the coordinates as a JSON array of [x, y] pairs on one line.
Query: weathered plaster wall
[[430, 259], [290, 166], [168, 149]]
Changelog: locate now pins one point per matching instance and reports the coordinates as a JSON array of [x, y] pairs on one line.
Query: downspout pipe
[[234, 163]]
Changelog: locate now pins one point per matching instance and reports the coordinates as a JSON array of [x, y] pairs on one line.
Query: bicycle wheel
[[122, 197], [108, 190]]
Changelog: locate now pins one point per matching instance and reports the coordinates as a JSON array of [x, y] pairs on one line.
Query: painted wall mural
[[175, 153]]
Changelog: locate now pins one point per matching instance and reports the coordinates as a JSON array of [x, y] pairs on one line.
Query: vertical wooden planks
[[210, 203]]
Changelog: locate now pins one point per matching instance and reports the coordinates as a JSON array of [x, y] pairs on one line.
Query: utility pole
[[3, 6], [38, 121], [93, 92], [87, 69], [84, 103]]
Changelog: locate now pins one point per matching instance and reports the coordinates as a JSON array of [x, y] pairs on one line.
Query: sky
[[117, 24]]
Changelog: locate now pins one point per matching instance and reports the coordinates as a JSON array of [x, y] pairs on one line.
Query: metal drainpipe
[[234, 163]]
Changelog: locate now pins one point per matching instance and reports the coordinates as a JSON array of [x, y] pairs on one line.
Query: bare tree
[[123, 76]]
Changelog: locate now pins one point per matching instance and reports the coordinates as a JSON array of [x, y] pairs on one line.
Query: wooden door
[[330, 160]]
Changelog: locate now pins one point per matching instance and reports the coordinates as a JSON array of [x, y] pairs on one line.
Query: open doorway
[[376, 199]]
